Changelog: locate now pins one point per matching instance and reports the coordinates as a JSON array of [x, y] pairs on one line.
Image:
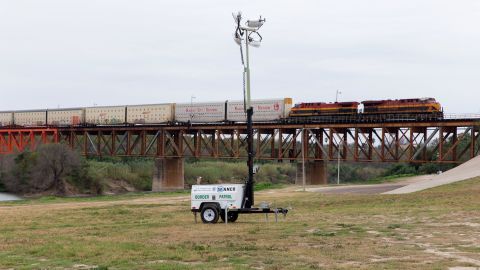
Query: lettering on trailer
[[225, 196], [276, 106], [225, 189], [201, 189], [202, 197], [201, 110]]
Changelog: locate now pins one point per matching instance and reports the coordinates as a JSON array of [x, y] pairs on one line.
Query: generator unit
[[212, 200], [227, 202]]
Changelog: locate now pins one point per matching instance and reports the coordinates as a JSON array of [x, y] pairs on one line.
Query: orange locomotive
[[415, 108], [402, 106], [324, 109]]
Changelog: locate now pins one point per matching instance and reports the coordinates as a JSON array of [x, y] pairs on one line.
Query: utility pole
[[340, 148], [304, 178]]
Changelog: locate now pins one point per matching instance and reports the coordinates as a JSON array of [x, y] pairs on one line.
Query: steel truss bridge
[[441, 141]]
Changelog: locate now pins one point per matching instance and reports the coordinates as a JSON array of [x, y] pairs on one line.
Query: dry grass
[[436, 229]]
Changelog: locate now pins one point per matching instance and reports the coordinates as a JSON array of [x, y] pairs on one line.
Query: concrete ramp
[[468, 170]]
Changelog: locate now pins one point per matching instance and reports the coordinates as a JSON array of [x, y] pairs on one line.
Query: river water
[[8, 197]]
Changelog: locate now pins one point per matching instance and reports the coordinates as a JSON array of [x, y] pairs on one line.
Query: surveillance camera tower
[[229, 200]]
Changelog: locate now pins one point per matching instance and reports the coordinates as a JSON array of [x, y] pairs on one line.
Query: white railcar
[[108, 115], [66, 117], [6, 119], [264, 110], [30, 118], [208, 112], [150, 114]]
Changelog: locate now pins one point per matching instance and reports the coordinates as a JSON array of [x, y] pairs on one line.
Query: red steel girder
[[19, 140]]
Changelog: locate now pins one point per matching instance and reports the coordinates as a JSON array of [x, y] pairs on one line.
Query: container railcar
[[6, 119], [207, 112], [108, 115], [264, 110], [66, 117], [150, 114], [30, 118], [324, 109]]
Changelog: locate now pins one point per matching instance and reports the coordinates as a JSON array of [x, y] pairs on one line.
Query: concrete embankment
[[468, 170]]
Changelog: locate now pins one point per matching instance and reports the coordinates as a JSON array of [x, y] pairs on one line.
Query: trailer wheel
[[232, 216], [209, 214]]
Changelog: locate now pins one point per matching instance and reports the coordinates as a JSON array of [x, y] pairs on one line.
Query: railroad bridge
[[450, 140]]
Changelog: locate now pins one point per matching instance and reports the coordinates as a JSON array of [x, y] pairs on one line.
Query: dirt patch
[[118, 187], [453, 255]]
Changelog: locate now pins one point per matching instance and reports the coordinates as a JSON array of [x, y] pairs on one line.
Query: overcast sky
[[72, 53]]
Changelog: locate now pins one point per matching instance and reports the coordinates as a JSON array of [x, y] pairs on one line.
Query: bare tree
[[10, 175], [54, 163], [6, 165]]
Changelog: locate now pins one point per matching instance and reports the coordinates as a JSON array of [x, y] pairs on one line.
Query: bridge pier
[[168, 174], [315, 173]]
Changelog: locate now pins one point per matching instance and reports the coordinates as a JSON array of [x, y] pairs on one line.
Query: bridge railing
[[380, 118], [461, 116]]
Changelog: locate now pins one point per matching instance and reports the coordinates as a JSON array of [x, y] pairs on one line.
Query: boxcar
[[207, 112], [6, 119], [150, 114], [108, 115], [264, 110], [66, 117], [30, 118]]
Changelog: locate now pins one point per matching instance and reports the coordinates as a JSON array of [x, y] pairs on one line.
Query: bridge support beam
[[315, 173], [168, 174]]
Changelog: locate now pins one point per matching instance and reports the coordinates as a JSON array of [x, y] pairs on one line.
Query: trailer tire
[[232, 216], [210, 214]]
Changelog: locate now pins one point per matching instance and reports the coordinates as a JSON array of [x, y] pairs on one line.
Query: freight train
[[268, 110]]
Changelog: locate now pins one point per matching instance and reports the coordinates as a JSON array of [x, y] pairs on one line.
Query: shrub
[[401, 169]]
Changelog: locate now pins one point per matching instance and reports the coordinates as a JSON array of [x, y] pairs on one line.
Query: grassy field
[[435, 229]]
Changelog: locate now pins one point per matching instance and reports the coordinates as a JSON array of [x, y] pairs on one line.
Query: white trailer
[[30, 118], [264, 110], [207, 112], [150, 114], [226, 201], [6, 119], [212, 200], [66, 117], [108, 115]]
